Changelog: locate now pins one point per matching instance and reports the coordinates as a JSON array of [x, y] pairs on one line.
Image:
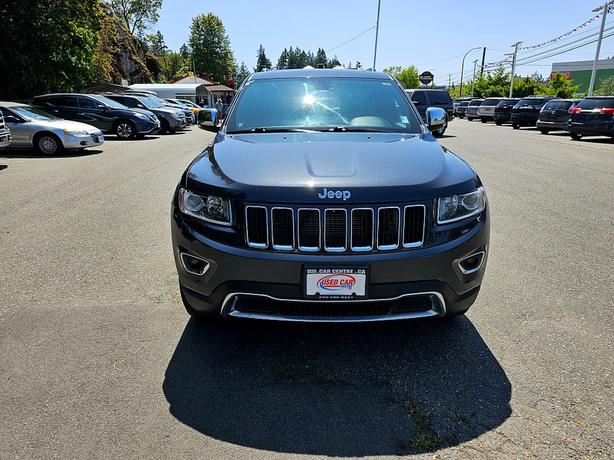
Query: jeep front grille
[[335, 230]]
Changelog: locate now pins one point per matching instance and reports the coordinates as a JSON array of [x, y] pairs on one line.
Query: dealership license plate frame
[[361, 272]]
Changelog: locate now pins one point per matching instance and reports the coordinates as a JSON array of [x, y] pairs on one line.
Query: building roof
[[193, 79], [582, 65], [219, 89], [167, 86]]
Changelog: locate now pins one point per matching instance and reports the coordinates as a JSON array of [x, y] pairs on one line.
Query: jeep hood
[[372, 166]]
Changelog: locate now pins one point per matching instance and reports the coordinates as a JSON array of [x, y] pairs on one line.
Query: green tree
[[211, 47], [409, 77], [527, 86], [155, 44], [241, 74], [262, 62], [561, 86], [606, 88], [334, 62], [47, 46], [173, 65], [393, 70], [320, 59], [137, 15], [282, 61]]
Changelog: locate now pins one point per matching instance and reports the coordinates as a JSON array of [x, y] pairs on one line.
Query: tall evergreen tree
[[320, 60], [262, 61], [241, 74], [282, 62]]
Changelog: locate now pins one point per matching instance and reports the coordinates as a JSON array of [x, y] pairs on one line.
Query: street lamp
[[463, 67], [473, 79]]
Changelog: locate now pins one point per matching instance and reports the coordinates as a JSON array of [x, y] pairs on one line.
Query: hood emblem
[[326, 194]]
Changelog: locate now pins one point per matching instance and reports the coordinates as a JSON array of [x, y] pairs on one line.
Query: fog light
[[471, 263], [193, 264]]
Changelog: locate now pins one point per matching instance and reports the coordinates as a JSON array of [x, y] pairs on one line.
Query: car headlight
[[76, 132], [209, 208], [140, 115], [457, 207]]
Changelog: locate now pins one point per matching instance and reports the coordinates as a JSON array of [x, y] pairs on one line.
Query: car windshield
[[475, 102], [464, 104], [530, 102], [32, 113], [150, 102], [491, 102], [596, 103], [322, 104], [109, 102]]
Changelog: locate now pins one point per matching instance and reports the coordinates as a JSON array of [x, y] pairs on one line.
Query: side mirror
[[207, 120], [103, 107], [435, 118]]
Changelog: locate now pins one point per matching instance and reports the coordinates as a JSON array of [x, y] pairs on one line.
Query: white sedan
[[32, 127]]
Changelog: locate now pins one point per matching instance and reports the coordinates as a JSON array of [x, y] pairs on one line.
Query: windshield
[[530, 102], [322, 103], [475, 102], [32, 113], [488, 102], [109, 102], [150, 102]]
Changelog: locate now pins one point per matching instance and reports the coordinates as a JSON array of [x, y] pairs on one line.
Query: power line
[[351, 39]]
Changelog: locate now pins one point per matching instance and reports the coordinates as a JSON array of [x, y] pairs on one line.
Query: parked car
[[503, 110], [424, 98], [170, 119], [592, 116], [289, 215], [471, 112], [554, 115], [486, 110], [5, 133], [181, 111], [101, 112], [462, 107], [32, 127], [526, 110], [189, 113]]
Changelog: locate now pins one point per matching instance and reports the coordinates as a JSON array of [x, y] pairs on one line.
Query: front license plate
[[335, 283]]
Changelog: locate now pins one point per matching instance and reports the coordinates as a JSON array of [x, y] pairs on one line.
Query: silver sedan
[[32, 127]]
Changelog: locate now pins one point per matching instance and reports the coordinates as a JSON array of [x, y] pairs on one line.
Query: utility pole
[[594, 72], [379, 4], [515, 45], [449, 80], [473, 79], [483, 60], [463, 68]]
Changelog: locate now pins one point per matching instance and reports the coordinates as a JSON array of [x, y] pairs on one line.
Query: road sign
[[426, 78]]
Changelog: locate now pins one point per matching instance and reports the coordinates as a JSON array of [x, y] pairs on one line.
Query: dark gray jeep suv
[[323, 197]]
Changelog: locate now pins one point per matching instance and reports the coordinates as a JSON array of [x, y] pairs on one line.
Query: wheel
[[576, 136], [483, 120], [125, 129], [461, 116], [544, 131], [48, 144], [469, 119], [515, 126], [197, 315], [498, 123]]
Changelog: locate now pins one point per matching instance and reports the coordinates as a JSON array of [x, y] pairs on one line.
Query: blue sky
[[431, 35]]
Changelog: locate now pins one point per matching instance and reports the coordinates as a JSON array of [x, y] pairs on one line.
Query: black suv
[[103, 113], [592, 116], [170, 121], [329, 201], [554, 115], [526, 110], [503, 110], [423, 98]]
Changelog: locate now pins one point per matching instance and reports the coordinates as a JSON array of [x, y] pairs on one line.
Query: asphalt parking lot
[[99, 359]]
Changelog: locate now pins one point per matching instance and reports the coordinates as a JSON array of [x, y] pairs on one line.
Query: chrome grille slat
[[388, 228], [335, 230], [282, 228]]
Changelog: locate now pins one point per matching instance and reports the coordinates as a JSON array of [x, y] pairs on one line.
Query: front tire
[[515, 126], [544, 131], [483, 120], [498, 123], [125, 130], [576, 136], [48, 144]]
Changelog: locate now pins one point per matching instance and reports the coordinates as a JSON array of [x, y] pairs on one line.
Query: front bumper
[[71, 141], [269, 285], [5, 138], [147, 127]]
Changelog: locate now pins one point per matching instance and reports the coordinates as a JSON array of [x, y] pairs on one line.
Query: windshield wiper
[[355, 129], [271, 130]]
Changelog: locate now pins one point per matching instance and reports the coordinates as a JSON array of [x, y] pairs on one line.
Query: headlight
[[457, 207], [140, 115], [76, 132], [209, 208]]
